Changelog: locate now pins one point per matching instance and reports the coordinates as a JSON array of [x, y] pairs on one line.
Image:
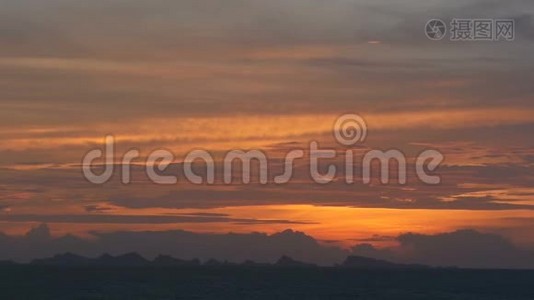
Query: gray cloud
[[462, 248], [133, 219], [215, 43], [181, 244]]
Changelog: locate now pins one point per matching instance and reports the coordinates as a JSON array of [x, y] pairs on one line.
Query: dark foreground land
[[53, 282]]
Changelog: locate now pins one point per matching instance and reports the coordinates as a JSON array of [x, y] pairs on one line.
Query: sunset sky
[[269, 75]]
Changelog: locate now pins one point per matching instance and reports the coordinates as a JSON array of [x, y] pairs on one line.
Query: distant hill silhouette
[[69, 259], [6, 262], [251, 263], [362, 262], [215, 263], [460, 248], [128, 259], [135, 260], [166, 260], [286, 261], [66, 259]]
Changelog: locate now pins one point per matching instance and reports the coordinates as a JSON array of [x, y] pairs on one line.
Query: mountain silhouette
[[166, 260], [66, 259], [286, 261], [69, 259], [215, 263], [135, 260], [251, 263], [362, 262], [128, 259]]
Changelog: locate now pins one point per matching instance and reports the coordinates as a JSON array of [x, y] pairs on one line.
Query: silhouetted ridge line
[[167, 260], [69, 259], [135, 260], [286, 261], [361, 262]]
